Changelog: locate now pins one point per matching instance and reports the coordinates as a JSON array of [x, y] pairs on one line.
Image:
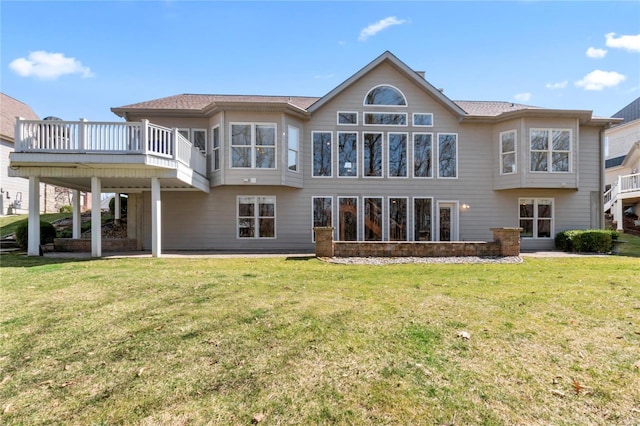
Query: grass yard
[[282, 341]]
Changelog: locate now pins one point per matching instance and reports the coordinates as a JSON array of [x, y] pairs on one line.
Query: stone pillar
[[509, 239], [33, 242], [324, 241]]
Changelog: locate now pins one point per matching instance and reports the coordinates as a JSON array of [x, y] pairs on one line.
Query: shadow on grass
[[21, 260]]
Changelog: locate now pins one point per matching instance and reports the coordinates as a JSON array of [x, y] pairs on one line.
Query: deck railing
[[624, 184], [83, 137]]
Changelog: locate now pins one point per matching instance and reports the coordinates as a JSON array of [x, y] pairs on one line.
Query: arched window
[[385, 95]]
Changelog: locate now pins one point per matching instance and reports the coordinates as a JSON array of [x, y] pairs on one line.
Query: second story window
[[447, 155], [385, 95], [508, 152], [550, 150], [293, 156], [253, 145], [215, 154]]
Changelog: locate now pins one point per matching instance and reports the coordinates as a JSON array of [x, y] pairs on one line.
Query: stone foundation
[[506, 243], [84, 245]]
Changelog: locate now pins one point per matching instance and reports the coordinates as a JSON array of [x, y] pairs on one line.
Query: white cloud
[[627, 42], [559, 85], [522, 97], [598, 80], [596, 53], [374, 29], [48, 66]]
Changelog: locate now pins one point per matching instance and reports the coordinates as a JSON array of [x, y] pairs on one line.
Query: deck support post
[[76, 221], [156, 218], [96, 219], [116, 209], [33, 245]]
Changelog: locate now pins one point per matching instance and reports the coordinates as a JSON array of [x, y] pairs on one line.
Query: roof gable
[[11, 108], [388, 57]]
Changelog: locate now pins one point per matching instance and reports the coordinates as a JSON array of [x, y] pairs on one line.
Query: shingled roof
[[11, 108], [491, 108], [630, 112]]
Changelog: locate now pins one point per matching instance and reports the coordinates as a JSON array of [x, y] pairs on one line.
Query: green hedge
[[586, 241], [47, 233]]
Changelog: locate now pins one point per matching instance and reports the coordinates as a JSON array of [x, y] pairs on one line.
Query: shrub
[[123, 205], [66, 209], [47, 233], [587, 241]]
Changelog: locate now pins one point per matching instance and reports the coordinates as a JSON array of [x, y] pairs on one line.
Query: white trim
[[216, 152], [331, 150], [455, 219], [193, 142], [339, 224], [256, 217], [364, 119], [550, 149], [357, 168], [535, 218], [413, 119], [413, 153], [313, 198], [406, 146], [364, 103], [515, 152], [361, 155], [253, 145], [346, 112], [457, 171], [413, 218], [297, 150], [96, 223], [156, 218]]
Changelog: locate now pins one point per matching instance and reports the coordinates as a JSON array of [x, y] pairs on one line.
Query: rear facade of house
[[385, 156]]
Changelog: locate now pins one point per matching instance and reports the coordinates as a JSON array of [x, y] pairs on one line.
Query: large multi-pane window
[[253, 145], [215, 154], [372, 154], [422, 155], [322, 143], [397, 154], [508, 152], [372, 218], [536, 217], [447, 155], [422, 212], [385, 95], [256, 217], [322, 211], [293, 154], [550, 150], [347, 154], [347, 218], [397, 219]]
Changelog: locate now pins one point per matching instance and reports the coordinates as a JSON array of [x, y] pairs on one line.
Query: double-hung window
[[550, 150], [253, 145], [256, 217], [536, 217], [215, 154], [293, 155], [508, 152]]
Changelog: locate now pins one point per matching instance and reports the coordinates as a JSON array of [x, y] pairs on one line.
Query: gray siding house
[[384, 156]]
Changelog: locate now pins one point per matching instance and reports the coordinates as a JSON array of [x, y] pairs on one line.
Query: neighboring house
[[383, 156], [622, 173], [15, 191]]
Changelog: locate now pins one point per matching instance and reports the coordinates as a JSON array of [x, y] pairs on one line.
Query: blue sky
[[79, 59]]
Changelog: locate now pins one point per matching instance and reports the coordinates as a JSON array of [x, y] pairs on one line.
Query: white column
[[96, 219], [116, 208], [617, 214], [33, 245], [77, 214], [156, 218]]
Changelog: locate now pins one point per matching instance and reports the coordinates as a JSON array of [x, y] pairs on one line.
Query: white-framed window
[[215, 151], [536, 217], [447, 155], [385, 118], [397, 153], [372, 221], [293, 149], [347, 154], [322, 153], [423, 155], [186, 133], [347, 117], [422, 119], [508, 152], [398, 219], [256, 216], [550, 150], [422, 219], [199, 139], [253, 145], [348, 219], [372, 154], [385, 95], [322, 211]]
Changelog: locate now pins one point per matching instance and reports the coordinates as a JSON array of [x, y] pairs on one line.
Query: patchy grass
[[217, 341], [9, 224]]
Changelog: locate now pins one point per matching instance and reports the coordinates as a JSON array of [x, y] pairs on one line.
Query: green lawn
[[220, 341], [9, 224]]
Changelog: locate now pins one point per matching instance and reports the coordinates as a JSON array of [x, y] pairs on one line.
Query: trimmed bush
[[587, 241], [66, 209], [47, 233]]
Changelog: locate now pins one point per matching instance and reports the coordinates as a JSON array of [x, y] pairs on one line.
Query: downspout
[[602, 177]]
